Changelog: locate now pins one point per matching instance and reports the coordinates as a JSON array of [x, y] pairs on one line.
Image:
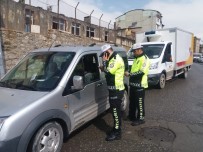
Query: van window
[[153, 51], [87, 67], [167, 53], [38, 71], [197, 55]]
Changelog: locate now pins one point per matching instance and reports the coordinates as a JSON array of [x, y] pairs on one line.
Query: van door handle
[[99, 84]]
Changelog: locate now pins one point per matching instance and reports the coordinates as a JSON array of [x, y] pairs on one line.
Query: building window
[[29, 19], [158, 20], [55, 23], [61, 24], [106, 35], [75, 29], [89, 32]]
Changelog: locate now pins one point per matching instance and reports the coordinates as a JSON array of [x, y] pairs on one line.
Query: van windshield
[[38, 71], [152, 51], [197, 55]]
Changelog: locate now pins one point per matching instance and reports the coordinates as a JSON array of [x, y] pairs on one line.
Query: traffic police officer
[[138, 83], [113, 66]]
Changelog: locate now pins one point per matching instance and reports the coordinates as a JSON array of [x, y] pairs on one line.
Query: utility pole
[[75, 26], [90, 22], [100, 27], [76, 16], [91, 17], [76, 9], [30, 16], [58, 14], [2, 66], [108, 30], [115, 33]]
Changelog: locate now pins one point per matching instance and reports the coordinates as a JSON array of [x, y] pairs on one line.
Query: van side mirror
[[77, 83]]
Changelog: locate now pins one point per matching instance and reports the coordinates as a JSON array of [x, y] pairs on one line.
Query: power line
[[46, 3]]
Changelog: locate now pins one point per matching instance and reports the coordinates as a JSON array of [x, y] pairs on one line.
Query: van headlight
[[154, 66], [2, 121]]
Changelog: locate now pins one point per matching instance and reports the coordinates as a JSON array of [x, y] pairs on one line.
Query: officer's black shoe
[[114, 135], [137, 122]]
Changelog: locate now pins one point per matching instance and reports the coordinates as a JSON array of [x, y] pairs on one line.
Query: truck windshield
[[39, 71], [153, 51]]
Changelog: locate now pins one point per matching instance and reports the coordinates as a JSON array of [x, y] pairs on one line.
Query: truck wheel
[[48, 138], [162, 81], [185, 74], [124, 103]]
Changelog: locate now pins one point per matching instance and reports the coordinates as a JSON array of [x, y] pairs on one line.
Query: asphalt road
[[180, 102]]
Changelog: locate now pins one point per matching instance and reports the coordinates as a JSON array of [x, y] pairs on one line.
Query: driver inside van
[[52, 70]]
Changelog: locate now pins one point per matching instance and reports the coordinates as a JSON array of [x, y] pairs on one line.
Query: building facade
[[196, 45], [201, 48], [21, 17], [138, 20]]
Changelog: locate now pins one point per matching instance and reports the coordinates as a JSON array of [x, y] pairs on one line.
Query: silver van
[[49, 94]]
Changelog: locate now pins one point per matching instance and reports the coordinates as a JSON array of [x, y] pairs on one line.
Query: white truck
[[170, 52]]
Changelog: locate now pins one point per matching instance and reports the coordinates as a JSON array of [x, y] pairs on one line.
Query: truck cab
[[161, 65]]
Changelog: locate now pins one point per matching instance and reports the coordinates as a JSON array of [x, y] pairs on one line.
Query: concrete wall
[[12, 18]]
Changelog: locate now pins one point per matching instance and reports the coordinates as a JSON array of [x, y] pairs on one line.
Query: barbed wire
[[69, 11]]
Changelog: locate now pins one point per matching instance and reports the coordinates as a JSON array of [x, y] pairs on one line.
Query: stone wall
[[16, 44]]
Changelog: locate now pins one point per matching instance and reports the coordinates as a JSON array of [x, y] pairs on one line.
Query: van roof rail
[[63, 45], [57, 45], [93, 44]]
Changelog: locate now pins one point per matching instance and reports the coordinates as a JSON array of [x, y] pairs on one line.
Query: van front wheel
[[162, 81], [48, 138]]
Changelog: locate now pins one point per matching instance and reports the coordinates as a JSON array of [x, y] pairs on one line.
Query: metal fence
[[62, 7]]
